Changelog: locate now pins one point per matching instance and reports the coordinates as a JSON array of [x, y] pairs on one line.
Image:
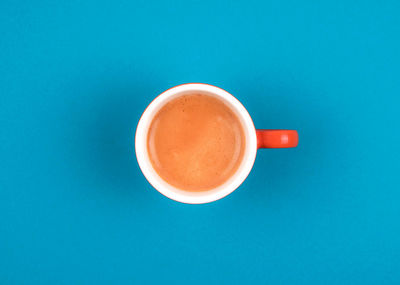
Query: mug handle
[[277, 138]]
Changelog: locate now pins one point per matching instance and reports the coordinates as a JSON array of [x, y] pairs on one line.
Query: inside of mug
[[196, 196]]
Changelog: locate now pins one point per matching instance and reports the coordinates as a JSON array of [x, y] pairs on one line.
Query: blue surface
[[75, 77]]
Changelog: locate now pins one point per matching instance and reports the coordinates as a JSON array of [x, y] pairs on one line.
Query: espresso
[[195, 142]]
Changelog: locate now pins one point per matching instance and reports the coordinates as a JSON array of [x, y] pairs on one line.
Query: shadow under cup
[[232, 182]]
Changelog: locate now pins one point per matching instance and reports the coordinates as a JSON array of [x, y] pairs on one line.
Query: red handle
[[277, 138]]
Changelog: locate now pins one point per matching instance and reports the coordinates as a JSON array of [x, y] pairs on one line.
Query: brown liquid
[[195, 142]]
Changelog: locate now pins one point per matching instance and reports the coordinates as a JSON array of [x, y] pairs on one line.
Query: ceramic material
[[254, 139]]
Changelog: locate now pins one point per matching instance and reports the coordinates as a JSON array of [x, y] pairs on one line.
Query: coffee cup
[[254, 140]]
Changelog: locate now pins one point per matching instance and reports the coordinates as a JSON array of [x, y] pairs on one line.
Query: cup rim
[[202, 196]]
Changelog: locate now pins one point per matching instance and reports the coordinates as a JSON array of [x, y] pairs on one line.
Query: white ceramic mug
[[254, 139]]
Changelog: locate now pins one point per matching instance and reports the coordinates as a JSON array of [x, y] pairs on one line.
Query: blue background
[[75, 77]]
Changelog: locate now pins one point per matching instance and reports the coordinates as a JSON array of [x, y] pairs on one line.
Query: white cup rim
[[204, 196]]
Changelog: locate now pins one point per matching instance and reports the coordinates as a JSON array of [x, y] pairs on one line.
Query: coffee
[[195, 142]]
